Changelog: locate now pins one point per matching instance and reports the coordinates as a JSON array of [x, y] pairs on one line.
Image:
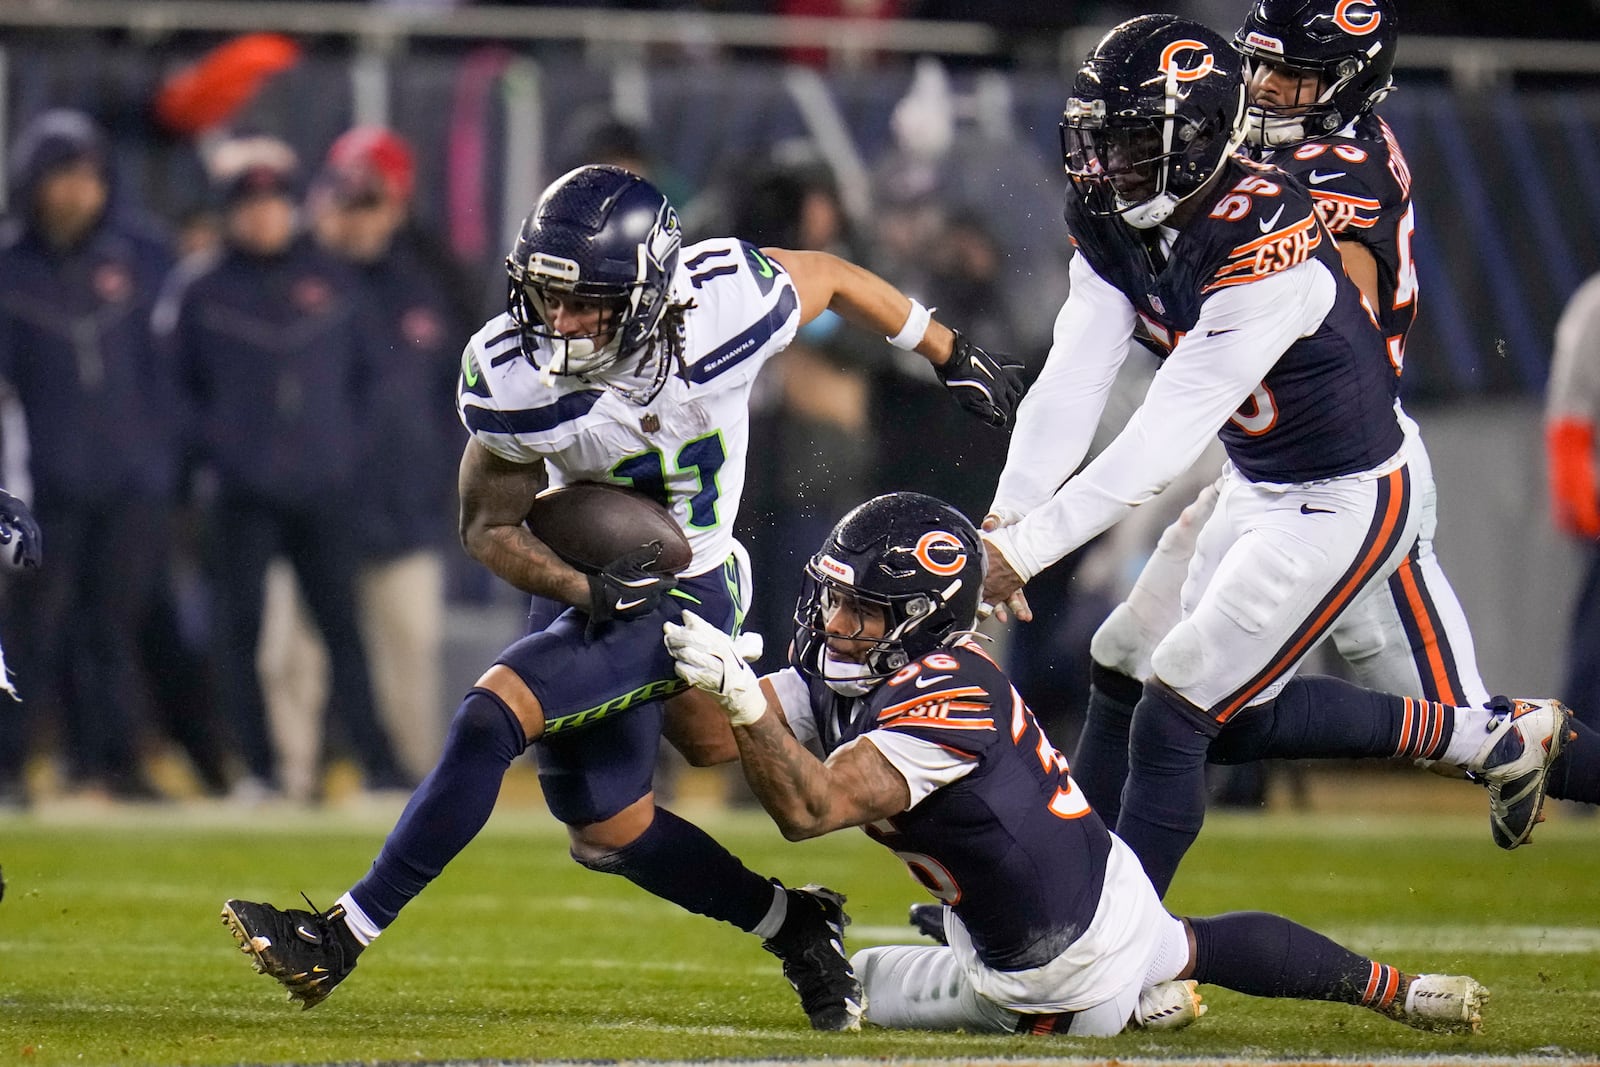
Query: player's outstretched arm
[[495, 496], [805, 797], [989, 387]]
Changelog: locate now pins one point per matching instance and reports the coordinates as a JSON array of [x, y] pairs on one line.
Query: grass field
[[111, 951]]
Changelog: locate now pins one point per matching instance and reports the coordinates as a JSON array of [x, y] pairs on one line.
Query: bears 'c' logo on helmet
[[1188, 72], [940, 553], [1359, 17]]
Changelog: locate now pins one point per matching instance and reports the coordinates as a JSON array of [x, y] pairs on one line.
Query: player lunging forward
[[1226, 267], [623, 359], [1315, 69], [893, 719]]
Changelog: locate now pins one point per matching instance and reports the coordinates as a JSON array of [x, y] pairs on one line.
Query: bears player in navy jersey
[[1315, 69], [892, 718], [620, 358], [1225, 268]]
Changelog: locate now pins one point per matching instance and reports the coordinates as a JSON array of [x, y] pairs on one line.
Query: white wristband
[[910, 335]]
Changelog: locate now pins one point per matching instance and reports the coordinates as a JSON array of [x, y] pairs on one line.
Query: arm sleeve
[[1574, 389], [923, 764], [1240, 334], [1572, 407], [794, 699], [1057, 418]]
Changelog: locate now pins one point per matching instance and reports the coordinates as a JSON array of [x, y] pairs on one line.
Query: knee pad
[[1180, 659], [1123, 643], [483, 718]]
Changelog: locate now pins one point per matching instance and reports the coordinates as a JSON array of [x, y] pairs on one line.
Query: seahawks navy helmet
[[1348, 44], [602, 234], [1155, 109], [917, 558]]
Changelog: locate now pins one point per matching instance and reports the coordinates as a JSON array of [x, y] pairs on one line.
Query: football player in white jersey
[[1315, 69], [621, 358], [892, 718]]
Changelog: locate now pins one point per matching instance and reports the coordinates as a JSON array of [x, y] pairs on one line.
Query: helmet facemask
[[1139, 166], [600, 248], [913, 626], [1282, 125], [1347, 45]]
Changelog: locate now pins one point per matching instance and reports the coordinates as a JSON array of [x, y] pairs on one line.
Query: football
[[589, 524]]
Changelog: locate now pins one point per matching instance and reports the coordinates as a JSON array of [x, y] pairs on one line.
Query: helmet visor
[[1128, 159]]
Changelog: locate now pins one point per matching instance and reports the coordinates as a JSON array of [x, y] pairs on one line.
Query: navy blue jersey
[[1326, 407], [277, 355], [1012, 845], [1362, 188], [75, 343]]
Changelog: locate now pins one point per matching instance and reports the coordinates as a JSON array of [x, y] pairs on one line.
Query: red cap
[[374, 158]]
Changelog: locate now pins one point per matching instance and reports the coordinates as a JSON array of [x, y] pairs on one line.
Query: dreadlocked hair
[[668, 342]]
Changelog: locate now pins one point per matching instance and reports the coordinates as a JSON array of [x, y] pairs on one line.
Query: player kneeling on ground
[[1051, 924]]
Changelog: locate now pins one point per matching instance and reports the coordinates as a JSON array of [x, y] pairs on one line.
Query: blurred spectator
[[834, 9], [604, 138], [361, 210], [1572, 411], [274, 343], [77, 284]]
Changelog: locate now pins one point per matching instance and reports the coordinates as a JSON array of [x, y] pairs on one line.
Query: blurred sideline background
[[919, 138]]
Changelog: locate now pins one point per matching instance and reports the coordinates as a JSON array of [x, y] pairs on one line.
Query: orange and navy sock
[[1318, 717], [1267, 955]]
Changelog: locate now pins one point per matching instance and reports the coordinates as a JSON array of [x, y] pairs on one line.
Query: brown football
[[590, 524]]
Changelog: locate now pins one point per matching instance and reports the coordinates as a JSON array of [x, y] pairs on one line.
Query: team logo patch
[[311, 294], [940, 553], [1187, 72], [112, 283], [1358, 17], [421, 327]]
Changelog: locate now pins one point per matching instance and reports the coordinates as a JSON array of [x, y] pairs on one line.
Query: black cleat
[[308, 952], [928, 919], [811, 946]]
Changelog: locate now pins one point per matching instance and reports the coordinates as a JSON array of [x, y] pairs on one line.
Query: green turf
[[111, 951]]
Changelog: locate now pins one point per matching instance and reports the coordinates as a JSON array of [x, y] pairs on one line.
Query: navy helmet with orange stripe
[[1157, 106], [912, 563], [1348, 45]]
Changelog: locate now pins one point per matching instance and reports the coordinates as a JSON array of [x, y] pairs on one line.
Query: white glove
[[709, 659]]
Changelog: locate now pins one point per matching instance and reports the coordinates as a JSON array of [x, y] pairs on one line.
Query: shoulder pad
[[1262, 224]]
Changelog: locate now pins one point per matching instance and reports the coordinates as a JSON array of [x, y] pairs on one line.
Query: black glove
[[984, 385], [627, 588], [17, 525]]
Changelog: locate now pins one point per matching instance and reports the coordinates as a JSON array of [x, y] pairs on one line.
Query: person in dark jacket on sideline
[[77, 284], [273, 341]]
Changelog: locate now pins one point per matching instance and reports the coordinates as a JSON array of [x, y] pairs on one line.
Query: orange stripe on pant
[[1395, 488], [1430, 634]]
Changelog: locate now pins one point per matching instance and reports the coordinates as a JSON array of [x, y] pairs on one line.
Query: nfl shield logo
[[1155, 302]]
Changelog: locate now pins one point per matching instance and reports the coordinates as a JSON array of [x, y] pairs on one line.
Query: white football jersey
[[687, 447]]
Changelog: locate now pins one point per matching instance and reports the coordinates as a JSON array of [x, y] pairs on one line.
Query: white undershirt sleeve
[[1574, 389], [794, 698], [1240, 333], [1057, 418], [924, 765]]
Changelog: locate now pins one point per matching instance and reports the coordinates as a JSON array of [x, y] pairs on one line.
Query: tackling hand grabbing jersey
[[622, 357], [893, 719]]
